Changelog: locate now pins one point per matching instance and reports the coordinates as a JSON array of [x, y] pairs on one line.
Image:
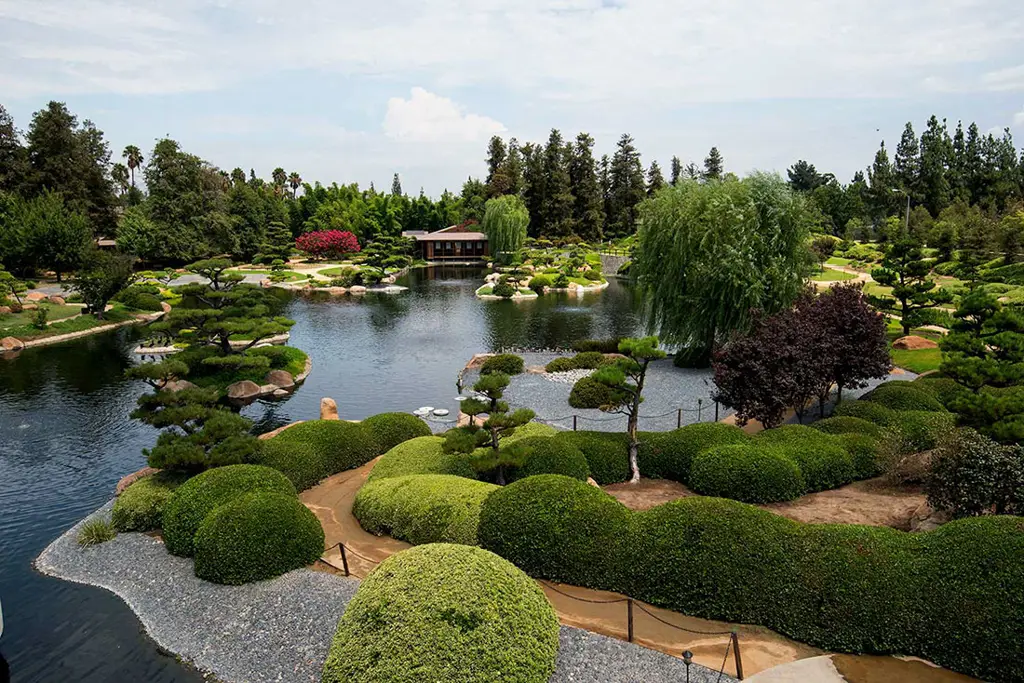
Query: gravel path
[[280, 630]]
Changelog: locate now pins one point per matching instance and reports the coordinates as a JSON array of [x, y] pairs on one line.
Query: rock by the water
[[280, 393], [268, 389], [35, 296], [29, 307], [328, 409], [357, 289], [179, 385], [280, 378], [244, 390], [440, 412], [914, 343], [58, 300], [4, 310], [11, 344]]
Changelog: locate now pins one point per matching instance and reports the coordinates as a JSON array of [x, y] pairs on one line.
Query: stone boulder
[[130, 479], [29, 307], [924, 518], [280, 378], [328, 409], [57, 300], [243, 391], [914, 343], [357, 289], [5, 310], [280, 393], [179, 385], [35, 296], [268, 389], [11, 344]]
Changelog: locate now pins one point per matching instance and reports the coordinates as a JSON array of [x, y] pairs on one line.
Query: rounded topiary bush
[[607, 454], [823, 461], [848, 425], [922, 429], [505, 363], [422, 455], [866, 410], [864, 453], [667, 455], [423, 508], [445, 612], [589, 360], [539, 282], [557, 528], [196, 498], [548, 455], [903, 396], [587, 392], [752, 473], [312, 451], [504, 290], [391, 429], [560, 364], [944, 389], [528, 431], [140, 507], [257, 536]]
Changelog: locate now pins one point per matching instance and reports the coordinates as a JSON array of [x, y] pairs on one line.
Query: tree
[[803, 177], [474, 198], [280, 178], [133, 157], [294, 182], [625, 379], [534, 188], [881, 201], [58, 237], [386, 253], [626, 188], [972, 475], [119, 174], [277, 244], [558, 200], [676, 171], [497, 182], [908, 164], [936, 157], [139, 236], [10, 286], [655, 180], [709, 255], [499, 423], [714, 165], [106, 274], [588, 209], [505, 224], [13, 156], [396, 186], [1010, 236], [905, 270], [327, 244]]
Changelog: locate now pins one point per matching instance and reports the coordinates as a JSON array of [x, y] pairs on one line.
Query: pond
[[66, 439]]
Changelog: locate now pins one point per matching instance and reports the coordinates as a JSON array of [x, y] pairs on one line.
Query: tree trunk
[[631, 428], [839, 395]]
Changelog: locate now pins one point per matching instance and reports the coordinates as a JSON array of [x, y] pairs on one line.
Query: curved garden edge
[[140, 319], [282, 628]]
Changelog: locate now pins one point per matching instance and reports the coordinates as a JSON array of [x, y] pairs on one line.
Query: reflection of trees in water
[[386, 309], [87, 365]]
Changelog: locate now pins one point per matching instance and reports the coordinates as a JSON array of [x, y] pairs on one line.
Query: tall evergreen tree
[[13, 155], [974, 164], [676, 171], [655, 180], [803, 177], [588, 206], [957, 172], [714, 165], [881, 200], [396, 186], [534, 187], [626, 188], [497, 184], [936, 158], [509, 177], [908, 164], [604, 180], [558, 200]]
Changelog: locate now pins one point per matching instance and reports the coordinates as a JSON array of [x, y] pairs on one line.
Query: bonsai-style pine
[[906, 271], [386, 253]]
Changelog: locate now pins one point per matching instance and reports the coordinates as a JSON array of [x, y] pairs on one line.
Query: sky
[[356, 91]]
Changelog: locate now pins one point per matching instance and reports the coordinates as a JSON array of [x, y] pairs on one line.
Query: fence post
[[716, 411], [629, 618], [700, 404], [574, 423], [736, 654], [344, 558], [679, 418]]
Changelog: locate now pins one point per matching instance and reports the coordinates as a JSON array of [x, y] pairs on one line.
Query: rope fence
[[732, 646]]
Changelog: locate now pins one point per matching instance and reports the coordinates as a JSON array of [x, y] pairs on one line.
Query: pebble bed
[[280, 630]]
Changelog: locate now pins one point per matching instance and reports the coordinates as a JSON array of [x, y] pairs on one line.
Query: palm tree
[[294, 180], [119, 174], [134, 157], [279, 177]]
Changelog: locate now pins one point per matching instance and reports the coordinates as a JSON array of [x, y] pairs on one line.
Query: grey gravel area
[[280, 630]]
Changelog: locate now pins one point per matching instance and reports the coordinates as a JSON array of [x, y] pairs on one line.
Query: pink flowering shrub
[[327, 244]]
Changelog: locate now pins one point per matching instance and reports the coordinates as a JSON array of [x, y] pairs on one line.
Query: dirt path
[[761, 648], [871, 502]]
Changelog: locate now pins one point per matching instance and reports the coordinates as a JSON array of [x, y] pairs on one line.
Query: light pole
[[687, 660], [902, 191]]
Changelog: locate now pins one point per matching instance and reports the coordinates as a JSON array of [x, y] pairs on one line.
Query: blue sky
[[355, 91]]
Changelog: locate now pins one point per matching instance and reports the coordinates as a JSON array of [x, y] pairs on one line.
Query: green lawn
[[873, 288], [923, 360], [839, 261], [83, 322], [295, 364], [289, 275], [24, 319], [829, 275], [584, 281]]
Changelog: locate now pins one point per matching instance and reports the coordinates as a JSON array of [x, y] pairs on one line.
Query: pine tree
[[497, 184], [588, 207], [558, 201], [509, 177], [881, 201], [604, 179], [626, 188], [957, 172], [974, 164], [396, 186], [677, 171], [534, 188], [803, 177], [714, 165], [691, 172], [908, 164], [655, 180], [936, 157], [13, 156]]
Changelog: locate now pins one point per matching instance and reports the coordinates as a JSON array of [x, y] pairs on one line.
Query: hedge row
[[548, 455], [422, 455], [954, 595], [445, 613], [312, 451], [587, 360]]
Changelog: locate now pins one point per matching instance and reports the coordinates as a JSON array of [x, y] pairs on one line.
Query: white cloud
[[426, 117], [1018, 119], [1005, 79]]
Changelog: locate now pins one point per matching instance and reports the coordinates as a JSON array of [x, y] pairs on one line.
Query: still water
[[65, 438]]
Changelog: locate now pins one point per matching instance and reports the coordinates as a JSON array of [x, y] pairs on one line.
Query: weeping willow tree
[[505, 221], [711, 255]]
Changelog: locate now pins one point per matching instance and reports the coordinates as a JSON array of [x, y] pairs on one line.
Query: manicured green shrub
[[593, 275], [823, 461], [944, 389], [610, 345], [391, 429], [312, 451], [422, 455], [560, 364], [505, 363], [548, 455], [561, 281], [667, 455], [140, 507], [903, 396], [973, 475], [528, 431], [589, 360], [848, 425], [607, 454], [558, 528], [140, 297], [866, 410], [423, 508], [445, 612], [752, 473], [539, 282], [923, 428], [257, 536], [197, 497], [864, 454], [504, 290], [588, 393]]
